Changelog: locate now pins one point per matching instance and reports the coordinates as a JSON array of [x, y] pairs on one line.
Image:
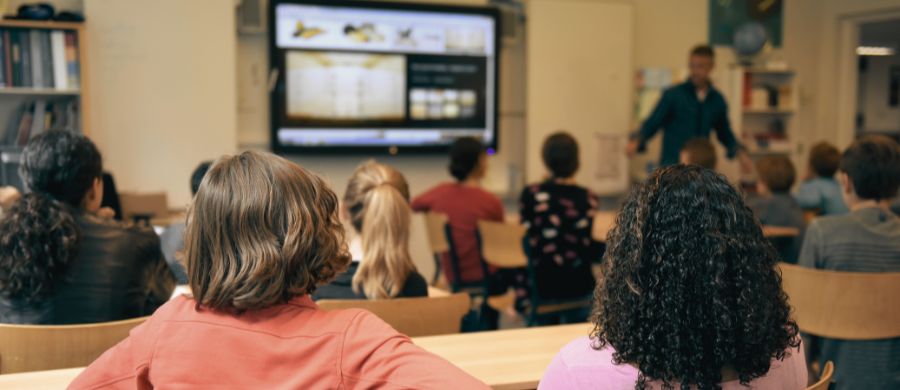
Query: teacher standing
[[689, 110]]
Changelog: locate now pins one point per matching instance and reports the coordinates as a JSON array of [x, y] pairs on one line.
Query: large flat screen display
[[355, 75]]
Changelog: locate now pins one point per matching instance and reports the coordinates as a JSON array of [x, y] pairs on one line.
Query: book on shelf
[[39, 58], [38, 116]]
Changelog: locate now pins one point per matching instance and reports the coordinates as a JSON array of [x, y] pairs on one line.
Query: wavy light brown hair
[[261, 230], [377, 200]]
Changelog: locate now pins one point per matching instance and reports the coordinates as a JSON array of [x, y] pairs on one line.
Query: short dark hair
[[683, 243], [464, 155], [701, 152], [560, 154], [873, 165], [777, 172], [197, 176], [824, 159], [703, 51]]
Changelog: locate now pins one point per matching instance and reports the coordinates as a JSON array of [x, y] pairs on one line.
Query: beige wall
[[162, 90]]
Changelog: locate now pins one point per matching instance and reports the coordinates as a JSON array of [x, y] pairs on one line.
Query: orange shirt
[[289, 346]]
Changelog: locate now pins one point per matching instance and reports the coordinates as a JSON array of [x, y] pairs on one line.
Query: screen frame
[[278, 89]]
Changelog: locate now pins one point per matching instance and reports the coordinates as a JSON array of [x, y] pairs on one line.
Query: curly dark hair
[[691, 285], [39, 237]]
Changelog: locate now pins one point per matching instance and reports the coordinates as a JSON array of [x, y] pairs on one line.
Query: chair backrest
[[810, 214], [603, 223], [825, 378], [501, 244], [771, 231], [434, 230], [48, 347], [844, 305], [414, 317], [150, 204]]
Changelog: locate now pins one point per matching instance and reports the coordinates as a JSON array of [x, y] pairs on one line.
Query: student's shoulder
[[580, 365]]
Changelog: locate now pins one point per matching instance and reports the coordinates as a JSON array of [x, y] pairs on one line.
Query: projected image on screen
[[345, 87], [369, 75]]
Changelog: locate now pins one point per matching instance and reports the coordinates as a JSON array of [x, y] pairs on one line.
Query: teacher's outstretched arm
[[657, 119]]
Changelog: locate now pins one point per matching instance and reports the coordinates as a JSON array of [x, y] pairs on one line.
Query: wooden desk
[[40, 380], [505, 359]]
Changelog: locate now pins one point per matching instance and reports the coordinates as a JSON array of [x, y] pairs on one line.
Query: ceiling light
[[875, 51]]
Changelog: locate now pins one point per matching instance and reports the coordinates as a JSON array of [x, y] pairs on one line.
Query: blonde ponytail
[[377, 200]]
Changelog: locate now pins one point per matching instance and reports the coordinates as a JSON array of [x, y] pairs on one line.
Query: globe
[[749, 39]]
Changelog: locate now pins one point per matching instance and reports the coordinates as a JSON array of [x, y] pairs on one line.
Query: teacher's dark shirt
[[684, 116]]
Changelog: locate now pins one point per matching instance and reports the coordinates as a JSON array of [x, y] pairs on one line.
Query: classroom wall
[[873, 85], [162, 89]]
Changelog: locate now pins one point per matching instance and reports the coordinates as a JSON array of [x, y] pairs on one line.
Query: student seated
[[867, 239], [62, 264], [774, 205], [559, 215], [377, 204], [699, 151], [820, 191], [464, 202], [691, 296], [172, 238], [262, 234]]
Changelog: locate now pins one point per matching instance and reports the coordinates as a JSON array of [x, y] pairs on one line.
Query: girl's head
[[377, 202], [65, 167], [690, 284], [261, 230], [468, 159], [560, 153], [39, 237]]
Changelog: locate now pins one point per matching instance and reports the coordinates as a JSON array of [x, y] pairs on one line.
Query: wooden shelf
[[768, 111], [39, 91], [777, 72], [50, 25]]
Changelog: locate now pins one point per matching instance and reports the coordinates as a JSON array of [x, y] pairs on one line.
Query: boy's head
[[261, 230], [699, 151], [870, 169], [197, 176], [560, 153], [776, 173], [824, 159], [467, 159]]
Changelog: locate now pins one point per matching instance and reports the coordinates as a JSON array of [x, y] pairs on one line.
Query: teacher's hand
[[632, 148]]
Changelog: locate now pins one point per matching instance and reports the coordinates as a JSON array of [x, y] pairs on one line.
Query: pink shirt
[[289, 346], [578, 366]]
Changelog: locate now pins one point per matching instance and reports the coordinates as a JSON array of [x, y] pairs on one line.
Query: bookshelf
[[762, 104], [43, 85]]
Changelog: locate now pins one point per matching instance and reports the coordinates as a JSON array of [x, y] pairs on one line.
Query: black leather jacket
[[119, 273]]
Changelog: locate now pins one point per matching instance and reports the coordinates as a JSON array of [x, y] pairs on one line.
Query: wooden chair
[[142, 207], [435, 225], [844, 305], [810, 214], [603, 223], [48, 347], [503, 246], [825, 379], [414, 317]]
